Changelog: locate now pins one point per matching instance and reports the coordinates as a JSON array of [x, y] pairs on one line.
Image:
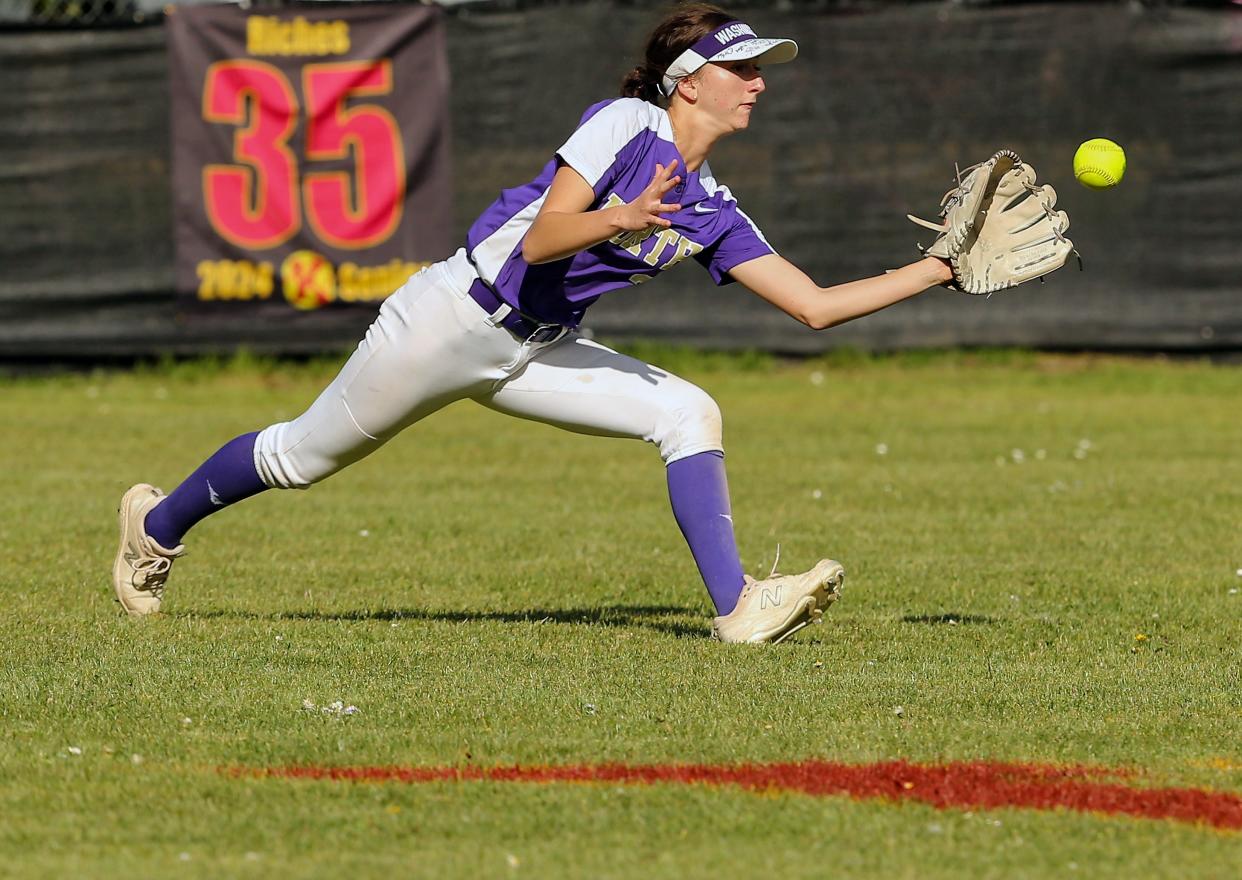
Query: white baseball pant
[[432, 344]]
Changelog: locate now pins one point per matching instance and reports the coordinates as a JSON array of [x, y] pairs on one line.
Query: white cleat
[[773, 609], [142, 565]]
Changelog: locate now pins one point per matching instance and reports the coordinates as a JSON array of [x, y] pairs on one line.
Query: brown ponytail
[[642, 82], [678, 31]]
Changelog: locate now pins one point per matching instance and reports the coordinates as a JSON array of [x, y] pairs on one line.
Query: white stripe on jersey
[[594, 146], [708, 182], [755, 228], [491, 254]]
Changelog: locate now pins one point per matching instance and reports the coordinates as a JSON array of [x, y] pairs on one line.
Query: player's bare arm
[[565, 227], [792, 291]]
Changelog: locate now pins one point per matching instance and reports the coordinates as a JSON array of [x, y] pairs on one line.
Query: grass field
[[1043, 560]]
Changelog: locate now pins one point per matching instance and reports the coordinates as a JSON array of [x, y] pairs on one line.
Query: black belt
[[515, 322]]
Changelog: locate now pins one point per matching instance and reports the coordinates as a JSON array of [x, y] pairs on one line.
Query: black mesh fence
[[865, 127], [74, 13]]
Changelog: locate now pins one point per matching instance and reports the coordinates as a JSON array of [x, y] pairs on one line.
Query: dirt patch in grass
[[977, 785]]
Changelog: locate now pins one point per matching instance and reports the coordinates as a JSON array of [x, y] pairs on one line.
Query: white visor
[[734, 41]]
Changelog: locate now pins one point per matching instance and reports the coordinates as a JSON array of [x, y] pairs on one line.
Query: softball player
[[628, 196]]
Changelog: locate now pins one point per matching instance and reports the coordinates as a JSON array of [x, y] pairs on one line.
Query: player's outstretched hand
[[648, 209]]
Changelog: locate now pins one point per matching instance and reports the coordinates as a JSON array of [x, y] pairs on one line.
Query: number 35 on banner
[[259, 202]]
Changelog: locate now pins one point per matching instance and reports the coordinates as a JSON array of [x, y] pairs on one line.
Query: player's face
[[731, 89]]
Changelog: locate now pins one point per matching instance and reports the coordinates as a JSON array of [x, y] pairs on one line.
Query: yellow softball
[[1099, 164]]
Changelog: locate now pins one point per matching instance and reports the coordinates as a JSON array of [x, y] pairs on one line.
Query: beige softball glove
[[998, 228]]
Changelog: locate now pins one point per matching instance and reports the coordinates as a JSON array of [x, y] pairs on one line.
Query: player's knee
[[273, 462], [285, 465], [691, 423]]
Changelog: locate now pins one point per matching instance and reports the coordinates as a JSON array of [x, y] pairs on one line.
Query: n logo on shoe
[[770, 598]]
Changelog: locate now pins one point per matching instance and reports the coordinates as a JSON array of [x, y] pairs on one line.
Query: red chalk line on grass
[[977, 785]]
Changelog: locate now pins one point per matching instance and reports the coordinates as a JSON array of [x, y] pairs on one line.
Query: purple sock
[[226, 477], [699, 493]]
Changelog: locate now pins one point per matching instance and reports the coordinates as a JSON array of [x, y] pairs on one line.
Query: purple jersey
[[615, 148]]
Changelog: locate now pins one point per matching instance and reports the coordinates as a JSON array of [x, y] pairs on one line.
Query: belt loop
[[500, 314]]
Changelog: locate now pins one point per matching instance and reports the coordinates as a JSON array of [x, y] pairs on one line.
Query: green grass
[[523, 595]]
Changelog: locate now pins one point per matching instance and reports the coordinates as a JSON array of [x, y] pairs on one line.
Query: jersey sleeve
[[606, 133], [743, 241]]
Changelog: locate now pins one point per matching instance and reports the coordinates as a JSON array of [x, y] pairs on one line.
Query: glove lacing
[[955, 195]]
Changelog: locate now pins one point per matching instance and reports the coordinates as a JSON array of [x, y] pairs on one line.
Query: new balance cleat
[[773, 609], [142, 565]]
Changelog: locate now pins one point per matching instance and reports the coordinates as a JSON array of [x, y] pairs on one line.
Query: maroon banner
[[310, 152]]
